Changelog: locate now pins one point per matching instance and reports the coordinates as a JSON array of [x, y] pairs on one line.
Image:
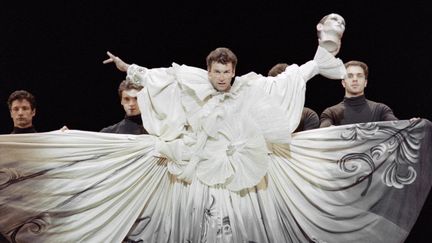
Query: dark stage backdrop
[[56, 51]]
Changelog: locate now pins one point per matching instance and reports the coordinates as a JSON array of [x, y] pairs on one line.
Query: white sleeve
[[328, 65], [324, 63], [159, 101], [288, 88]]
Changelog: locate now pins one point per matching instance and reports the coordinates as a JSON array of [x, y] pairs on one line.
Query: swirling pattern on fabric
[[80, 186], [218, 167]]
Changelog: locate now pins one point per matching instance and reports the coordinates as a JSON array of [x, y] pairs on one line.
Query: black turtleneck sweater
[[17, 130], [129, 125], [356, 110]]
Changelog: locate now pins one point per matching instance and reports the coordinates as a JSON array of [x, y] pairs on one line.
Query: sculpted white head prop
[[330, 30]]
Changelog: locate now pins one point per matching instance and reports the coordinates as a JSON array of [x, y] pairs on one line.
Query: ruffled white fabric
[[328, 65], [161, 111], [180, 102]]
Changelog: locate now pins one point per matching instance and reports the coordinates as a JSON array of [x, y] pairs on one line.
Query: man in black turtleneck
[[355, 108], [22, 107], [132, 123]]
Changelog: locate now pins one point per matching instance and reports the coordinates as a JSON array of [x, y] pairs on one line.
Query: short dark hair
[[277, 69], [127, 85], [221, 55], [22, 95], [363, 65]]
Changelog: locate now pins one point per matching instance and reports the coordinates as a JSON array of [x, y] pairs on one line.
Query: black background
[[56, 50]]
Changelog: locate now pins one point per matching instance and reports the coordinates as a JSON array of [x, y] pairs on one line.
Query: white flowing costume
[[218, 167]]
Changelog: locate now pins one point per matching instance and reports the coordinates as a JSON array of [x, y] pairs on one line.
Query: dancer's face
[[22, 114], [129, 102], [220, 76], [355, 81]]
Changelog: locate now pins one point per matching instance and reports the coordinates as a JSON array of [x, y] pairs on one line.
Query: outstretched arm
[[324, 63], [120, 64], [160, 99]]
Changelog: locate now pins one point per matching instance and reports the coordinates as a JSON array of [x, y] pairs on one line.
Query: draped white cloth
[[218, 167]]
